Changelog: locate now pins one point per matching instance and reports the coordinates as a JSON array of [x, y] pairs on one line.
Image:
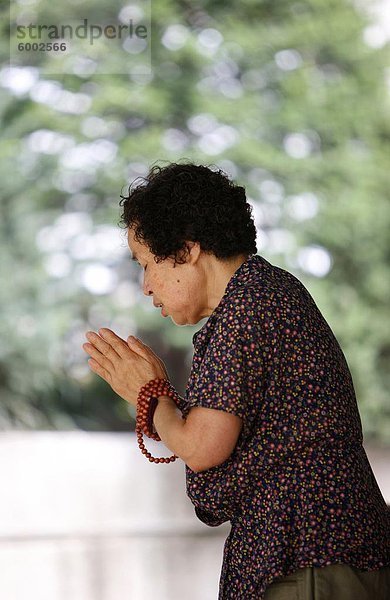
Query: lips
[[160, 305]]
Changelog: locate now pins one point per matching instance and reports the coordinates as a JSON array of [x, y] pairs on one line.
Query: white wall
[[84, 516]]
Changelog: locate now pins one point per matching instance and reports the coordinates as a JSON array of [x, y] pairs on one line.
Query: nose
[[146, 288]]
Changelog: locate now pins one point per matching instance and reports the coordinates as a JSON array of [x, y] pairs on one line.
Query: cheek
[[175, 292], [185, 292]]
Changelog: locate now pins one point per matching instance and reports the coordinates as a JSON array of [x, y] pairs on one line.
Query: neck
[[218, 274]]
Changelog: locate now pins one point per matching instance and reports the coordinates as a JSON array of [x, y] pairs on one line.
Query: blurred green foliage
[[287, 97]]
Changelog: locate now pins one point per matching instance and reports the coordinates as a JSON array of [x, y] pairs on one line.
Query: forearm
[[171, 428]]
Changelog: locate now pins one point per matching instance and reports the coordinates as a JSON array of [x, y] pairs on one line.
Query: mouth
[[164, 314]]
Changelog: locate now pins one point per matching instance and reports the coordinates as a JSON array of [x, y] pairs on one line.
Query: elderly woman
[[269, 427]]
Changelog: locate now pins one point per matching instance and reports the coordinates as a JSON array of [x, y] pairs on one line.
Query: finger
[[99, 370], [99, 358], [148, 349], [114, 340], [144, 350], [103, 346], [137, 346]]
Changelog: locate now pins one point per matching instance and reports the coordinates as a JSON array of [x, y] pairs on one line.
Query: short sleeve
[[222, 376]]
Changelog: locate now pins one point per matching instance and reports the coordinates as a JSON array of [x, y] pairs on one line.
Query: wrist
[[147, 402], [161, 402], [165, 400]]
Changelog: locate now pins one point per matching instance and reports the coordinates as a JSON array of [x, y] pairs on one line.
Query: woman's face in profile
[[177, 287]]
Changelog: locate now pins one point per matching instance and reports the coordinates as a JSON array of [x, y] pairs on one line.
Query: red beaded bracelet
[[146, 405]]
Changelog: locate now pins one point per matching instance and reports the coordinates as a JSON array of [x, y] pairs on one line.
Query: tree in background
[[289, 98]]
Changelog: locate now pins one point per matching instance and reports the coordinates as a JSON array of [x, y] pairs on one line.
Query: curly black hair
[[191, 202]]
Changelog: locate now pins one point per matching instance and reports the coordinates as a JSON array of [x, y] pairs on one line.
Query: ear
[[194, 251]]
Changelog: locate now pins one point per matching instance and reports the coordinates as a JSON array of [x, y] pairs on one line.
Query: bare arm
[[205, 439]]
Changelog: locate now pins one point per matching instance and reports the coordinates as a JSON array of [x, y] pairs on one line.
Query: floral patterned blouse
[[298, 488]]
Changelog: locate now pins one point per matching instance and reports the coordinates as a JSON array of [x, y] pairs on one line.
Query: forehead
[[137, 249]]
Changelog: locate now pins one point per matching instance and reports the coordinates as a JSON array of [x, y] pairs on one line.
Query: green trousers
[[333, 582]]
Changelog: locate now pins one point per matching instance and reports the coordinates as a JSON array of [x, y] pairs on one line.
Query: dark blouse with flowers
[[298, 488]]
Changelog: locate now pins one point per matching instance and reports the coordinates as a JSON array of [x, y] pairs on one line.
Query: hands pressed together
[[125, 365]]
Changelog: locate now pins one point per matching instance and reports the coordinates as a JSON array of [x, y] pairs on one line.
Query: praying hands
[[125, 365]]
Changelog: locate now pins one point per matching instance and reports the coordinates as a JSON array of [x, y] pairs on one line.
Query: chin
[[179, 323], [182, 322]]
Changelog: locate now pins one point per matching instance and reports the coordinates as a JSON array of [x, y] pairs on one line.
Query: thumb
[[143, 350], [132, 341], [136, 345]]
